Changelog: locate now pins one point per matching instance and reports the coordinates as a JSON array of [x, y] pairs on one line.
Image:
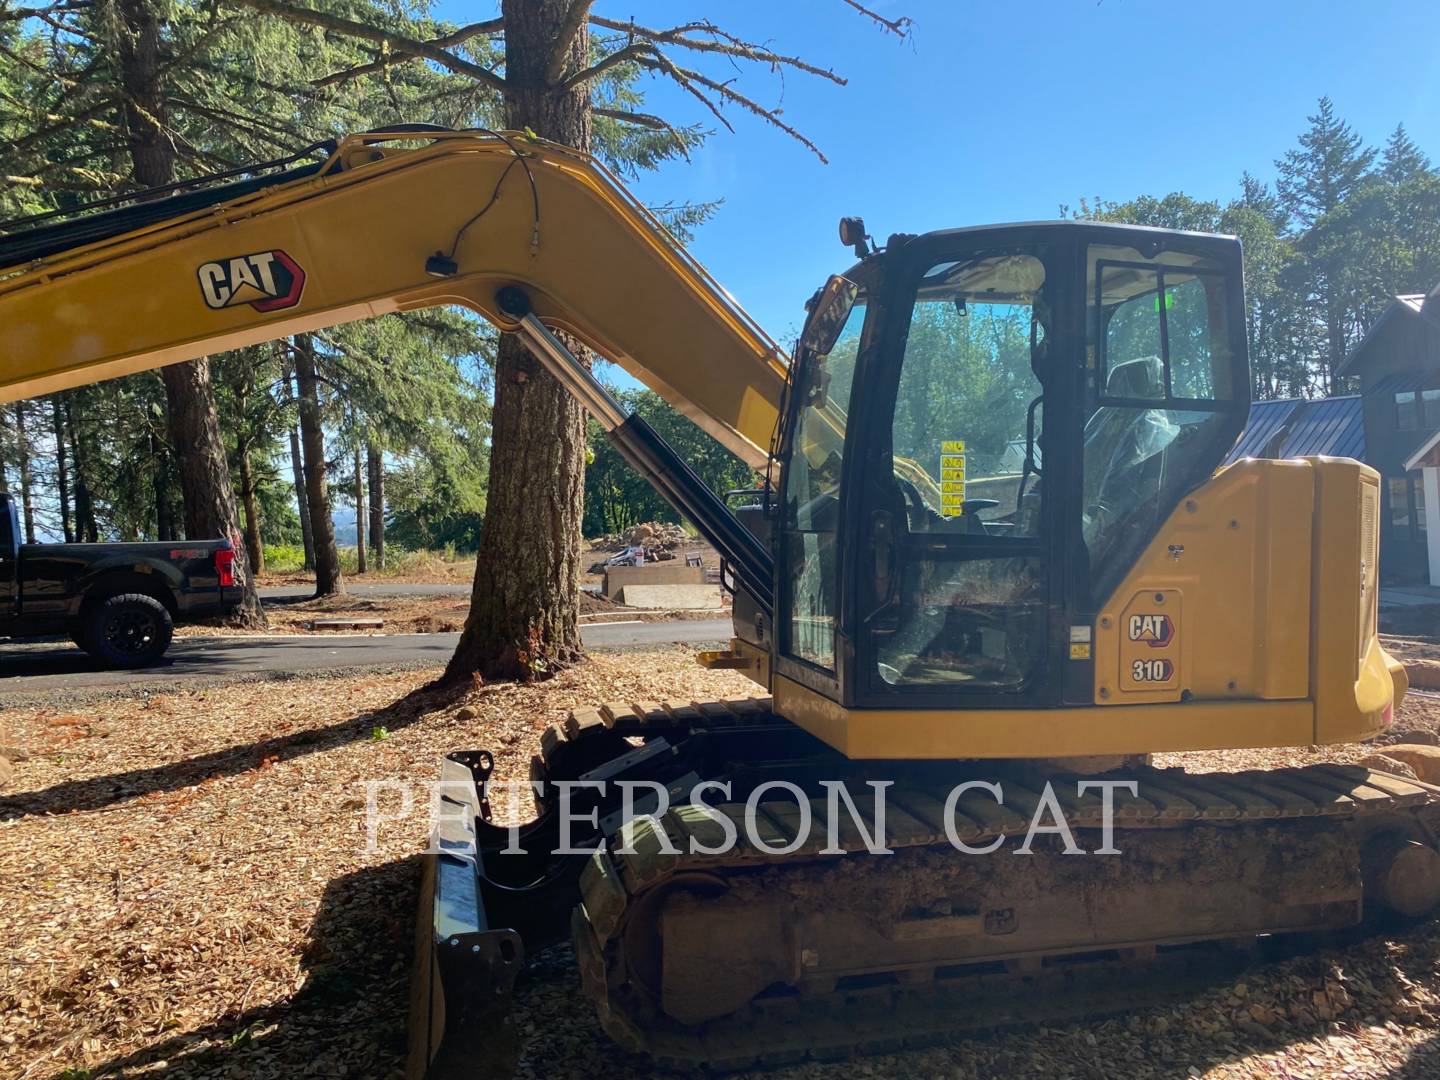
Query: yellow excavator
[[995, 555]]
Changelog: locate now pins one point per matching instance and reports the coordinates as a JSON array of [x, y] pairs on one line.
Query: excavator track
[[750, 957]]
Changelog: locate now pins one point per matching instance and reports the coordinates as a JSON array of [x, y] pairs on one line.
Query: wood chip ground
[[185, 892]]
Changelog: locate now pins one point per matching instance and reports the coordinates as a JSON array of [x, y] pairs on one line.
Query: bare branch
[[899, 27], [397, 42], [688, 77], [400, 56], [615, 59], [724, 44], [662, 63], [564, 36]]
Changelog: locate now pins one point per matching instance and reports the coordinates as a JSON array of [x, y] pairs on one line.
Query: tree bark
[[86, 530], [376, 468], [359, 512], [205, 486], [251, 509], [62, 471], [22, 455], [160, 484], [328, 581], [194, 429], [523, 606], [302, 498]]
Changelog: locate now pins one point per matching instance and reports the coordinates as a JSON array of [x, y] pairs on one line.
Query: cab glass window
[[812, 496], [1164, 397]]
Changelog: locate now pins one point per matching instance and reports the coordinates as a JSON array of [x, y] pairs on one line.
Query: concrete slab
[[670, 597], [670, 572]]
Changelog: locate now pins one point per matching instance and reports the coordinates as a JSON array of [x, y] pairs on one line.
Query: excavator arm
[[386, 226]]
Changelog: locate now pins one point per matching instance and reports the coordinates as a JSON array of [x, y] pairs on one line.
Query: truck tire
[[127, 630]]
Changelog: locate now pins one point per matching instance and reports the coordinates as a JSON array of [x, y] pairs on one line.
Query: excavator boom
[[385, 226]]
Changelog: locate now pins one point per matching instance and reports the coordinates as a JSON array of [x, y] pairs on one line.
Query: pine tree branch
[[646, 120], [273, 132], [397, 42], [19, 14], [564, 36], [83, 117], [401, 56]]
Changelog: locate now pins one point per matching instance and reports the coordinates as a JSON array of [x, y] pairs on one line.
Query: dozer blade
[[464, 971]]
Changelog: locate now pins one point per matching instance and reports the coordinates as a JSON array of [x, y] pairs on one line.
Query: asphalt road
[[36, 668]]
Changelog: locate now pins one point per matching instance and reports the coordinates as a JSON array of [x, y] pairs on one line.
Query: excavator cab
[[986, 428]]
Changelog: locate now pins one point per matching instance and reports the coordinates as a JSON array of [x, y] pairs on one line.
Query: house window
[[1399, 490], [1407, 411], [1430, 403], [1417, 486]]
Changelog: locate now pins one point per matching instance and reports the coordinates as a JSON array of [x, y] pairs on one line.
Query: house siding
[[1403, 353]]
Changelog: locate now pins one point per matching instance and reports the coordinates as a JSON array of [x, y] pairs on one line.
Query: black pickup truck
[[118, 602]]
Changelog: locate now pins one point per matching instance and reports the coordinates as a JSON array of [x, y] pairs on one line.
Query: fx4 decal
[[267, 281]]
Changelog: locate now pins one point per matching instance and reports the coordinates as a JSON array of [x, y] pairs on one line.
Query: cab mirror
[[829, 314]]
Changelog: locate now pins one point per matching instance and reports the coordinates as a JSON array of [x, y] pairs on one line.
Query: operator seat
[[1124, 446]]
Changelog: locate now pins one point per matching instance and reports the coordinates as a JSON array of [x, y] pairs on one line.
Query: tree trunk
[[194, 430], [375, 466], [160, 483], [523, 606], [359, 512], [205, 485], [251, 508], [86, 531], [328, 581], [62, 471], [22, 456], [302, 497]]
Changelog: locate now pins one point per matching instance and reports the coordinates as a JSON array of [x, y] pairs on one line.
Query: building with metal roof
[[1296, 427]]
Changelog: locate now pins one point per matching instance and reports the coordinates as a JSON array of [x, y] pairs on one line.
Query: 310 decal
[[1158, 670], [266, 280]]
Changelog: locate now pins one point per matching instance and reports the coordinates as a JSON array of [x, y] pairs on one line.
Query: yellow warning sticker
[[1079, 650], [952, 477]]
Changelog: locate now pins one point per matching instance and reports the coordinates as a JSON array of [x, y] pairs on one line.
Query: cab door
[[814, 486], [959, 508]]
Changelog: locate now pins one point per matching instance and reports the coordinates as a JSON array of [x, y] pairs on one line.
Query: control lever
[[883, 550]]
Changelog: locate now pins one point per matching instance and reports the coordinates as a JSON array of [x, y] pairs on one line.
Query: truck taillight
[[225, 565]]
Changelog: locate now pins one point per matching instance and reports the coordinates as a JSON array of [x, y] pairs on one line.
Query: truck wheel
[[128, 630]]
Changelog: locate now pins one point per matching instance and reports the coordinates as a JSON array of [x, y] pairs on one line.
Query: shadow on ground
[[97, 792], [347, 1020]]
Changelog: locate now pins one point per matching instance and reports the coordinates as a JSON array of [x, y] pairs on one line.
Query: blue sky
[[1001, 112]]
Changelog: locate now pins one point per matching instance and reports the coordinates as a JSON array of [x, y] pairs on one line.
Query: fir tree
[[1316, 177]]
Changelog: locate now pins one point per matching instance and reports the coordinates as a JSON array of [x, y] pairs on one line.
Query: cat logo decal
[[267, 281], [1157, 631]]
